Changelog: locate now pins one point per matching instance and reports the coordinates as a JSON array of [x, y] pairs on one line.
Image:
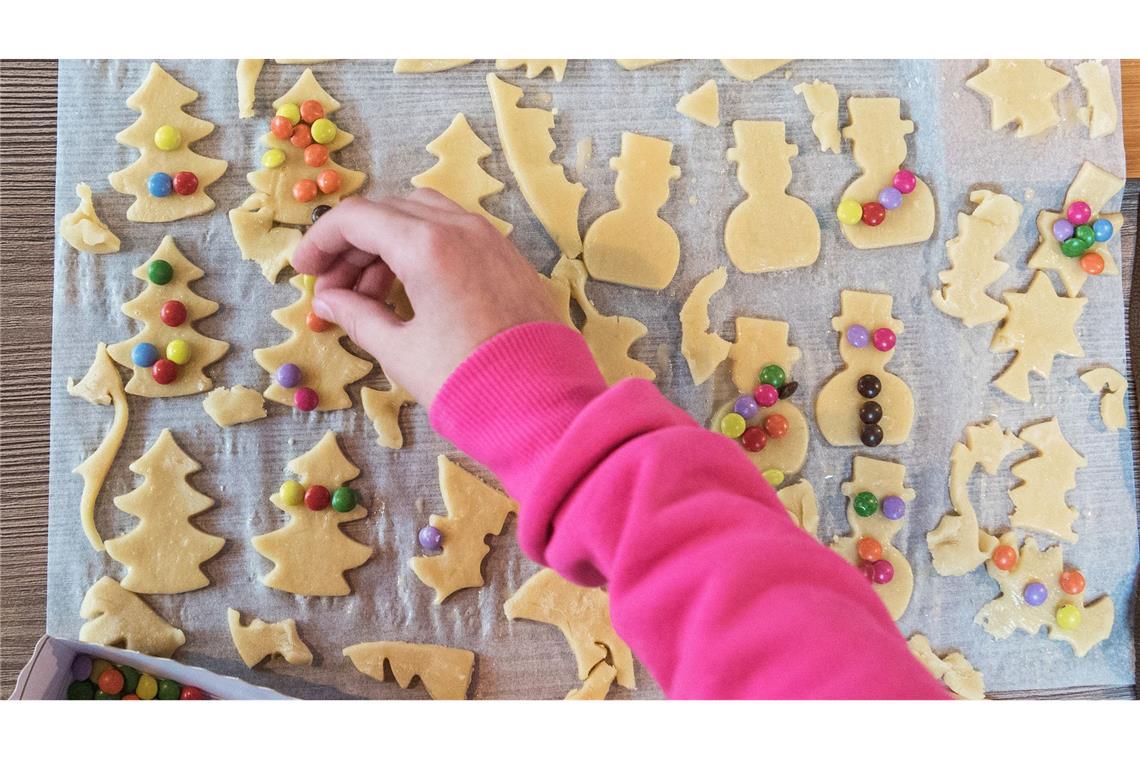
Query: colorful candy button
[[159, 272], [1085, 233], [272, 158], [111, 681], [311, 110], [774, 477], [130, 679], [904, 181], [302, 136], [776, 425], [883, 572], [869, 550], [890, 198], [773, 374], [178, 351], [317, 497], [172, 313], [1069, 617], [315, 323], [98, 666], [147, 688], [164, 372], [858, 336], [1035, 594], [169, 689], [894, 508], [306, 399], [849, 211], [167, 137], [316, 155], [1072, 582], [874, 214], [1074, 247], [144, 354], [81, 667], [281, 127], [732, 425], [871, 435], [304, 190], [291, 493], [185, 183], [288, 375], [1079, 212], [865, 504], [290, 111], [766, 395], [100, 694], [868, 386], [1092, 263], [81, 690], [884, 339], [1004, 557], [1062, 230], [754, 439], [430, 538], [344, 499], [328, 181], [870, 413], [159, 184], [318, 212], [1102, 230], [746, 407], [192, 692], [324, 131]]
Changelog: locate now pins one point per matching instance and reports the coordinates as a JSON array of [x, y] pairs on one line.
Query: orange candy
[[869, 550], [315, 323], [776, 425], [311, 110], [281, 127], [328, 181], [1004, 557], [304, 191], [1093, 263], [302, 137], [1072, 582], [316, 155], [130, 696]]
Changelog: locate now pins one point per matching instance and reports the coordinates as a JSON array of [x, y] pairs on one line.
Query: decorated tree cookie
[[953, 669], [703, 350], [1022, 92], [444, 671], [311, 554], [886, 205], [116, 617], [169, 355], [168, 179], [259, 640], [84, 230], [1113, 388], [770, 229], [164, 551], [311, 368], [1038, 590], [864, 403], [877, 502], [822, 100], [1039, 501]]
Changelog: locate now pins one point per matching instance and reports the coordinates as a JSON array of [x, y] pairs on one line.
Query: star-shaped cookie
[[1020, 91]]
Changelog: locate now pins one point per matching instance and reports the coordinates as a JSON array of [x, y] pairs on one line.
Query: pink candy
[[884, 339], [904, 181], [766, 395], [306, 399], [882, 572], [1079, 212]]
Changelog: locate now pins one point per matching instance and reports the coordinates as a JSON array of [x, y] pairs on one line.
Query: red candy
[[192, 692], [306, 399], [1004, 557], [1072, 583], [776, 425], [754, 439], [315, 323], [164, 371], [111, 681], [281, 127], [317, 498], [874, 213], [131, 696], [173, 313], [312, 110], [302, 137], [185, 183], [316, 155], [304, 191], [328, 181]]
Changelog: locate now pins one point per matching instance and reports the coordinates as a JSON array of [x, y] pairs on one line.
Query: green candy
[[344, 499], [130, 679], [81, 690], [773, 374], [865, 504], [159, 272], [100, 694], [1074, 247], [168, 689], [1085, 233]]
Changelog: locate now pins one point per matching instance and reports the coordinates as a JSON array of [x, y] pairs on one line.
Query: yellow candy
[[774, 477], [1069, 617], [147, 688], [323, 131], [290, 111], [732, 425], [849, 211], [292, 493], [178, 351], [98, 667], [309, 281], [272, 158], [167, 137]]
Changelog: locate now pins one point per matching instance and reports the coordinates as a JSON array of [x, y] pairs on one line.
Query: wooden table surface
[[27, 216]]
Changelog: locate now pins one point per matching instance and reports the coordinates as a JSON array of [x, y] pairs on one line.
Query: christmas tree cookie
[[116, 617], [703, 350], [311, 554], [84, 230], [259, 640], [1022, 92], [168, 180], [169, 355], [1039, 501], [164, 551], [444, 671]]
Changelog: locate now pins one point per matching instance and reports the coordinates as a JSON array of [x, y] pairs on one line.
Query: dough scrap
[[428, 65], [1096, 187], [1100, 114], [702, 104], [458, 174], [974, 265], [608, 336], [764, 171], [703, 350], [838, 402], [326, 366], [882, 479], [233, 406], [632, 245], [1022, 92], [878, 144], [800, 502], [146, 308], [958, 546], [101, 385], [163, 552], [750, 69], [1039, 325], [534, 66], [1115, 391], [1039, 501], [954, 669], [248, 70], [524, 134], [116, 617], [259, 640], [258, 240], [583, 616], [383, 409], [633, 64], [822, 99], [1010, 612], [444, 671], [159, 101], [475, 510], [596, 685], [311, 554], [84, 230]]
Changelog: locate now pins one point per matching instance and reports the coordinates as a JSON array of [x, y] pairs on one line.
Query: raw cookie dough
[[1096, 187], [633, 64], [116, 617], [428, 65], [749, 69], [763, 169], [475, 510], [233, 406], [259, 640], [702, 349], [1115, 391], [837, 405], [534, 66], [160, 100], [258, 240], [445, 672], [702, 104], [101, 385], [1010, 612], [954, 669], [878, 144], [1021, 91], [822, 100], [800, 502], [147, 307], [248, 70], [1099, 115], [596, 685], [609, 337], [458, 174], [1039, 325], [883, 479], [958, 545], [974, 265], [583, 616], [163, 552], [1039, 501], [311, 553], [383, 409], [326, 366], [524, 134], [84, 230], [632, 245]]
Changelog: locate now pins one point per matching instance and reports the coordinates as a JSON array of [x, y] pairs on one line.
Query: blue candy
[[1102, 230], [144, 354], [160, 185]]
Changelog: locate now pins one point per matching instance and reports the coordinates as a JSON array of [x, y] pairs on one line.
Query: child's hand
[[466, 283]]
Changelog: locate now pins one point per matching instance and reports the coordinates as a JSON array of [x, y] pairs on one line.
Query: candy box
[[48, 673]]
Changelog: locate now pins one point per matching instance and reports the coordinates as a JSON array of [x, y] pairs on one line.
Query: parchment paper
[[947, 366]]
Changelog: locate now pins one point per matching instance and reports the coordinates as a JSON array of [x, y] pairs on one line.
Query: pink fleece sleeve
[[712, 585]]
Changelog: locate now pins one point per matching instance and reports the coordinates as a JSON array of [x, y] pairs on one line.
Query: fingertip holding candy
[[732, 425], [766, 395], [1079, 212], [430, 538], [849, 211], [315, 323], [746, 407], [894, 508], [306, 399], [904, 181], [884, 339], [858, 336]]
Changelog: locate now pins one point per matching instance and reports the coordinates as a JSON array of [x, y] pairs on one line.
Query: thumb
[[370, 324]]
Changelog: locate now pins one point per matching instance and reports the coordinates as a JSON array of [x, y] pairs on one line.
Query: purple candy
[[1062, 230], [890, 198], [288, 375], [430, 538], [1035, 594], [858, 336], [746, 407], [894, 508], [81, 667]]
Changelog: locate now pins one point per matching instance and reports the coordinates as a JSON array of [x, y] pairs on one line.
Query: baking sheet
[[947, 366]]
